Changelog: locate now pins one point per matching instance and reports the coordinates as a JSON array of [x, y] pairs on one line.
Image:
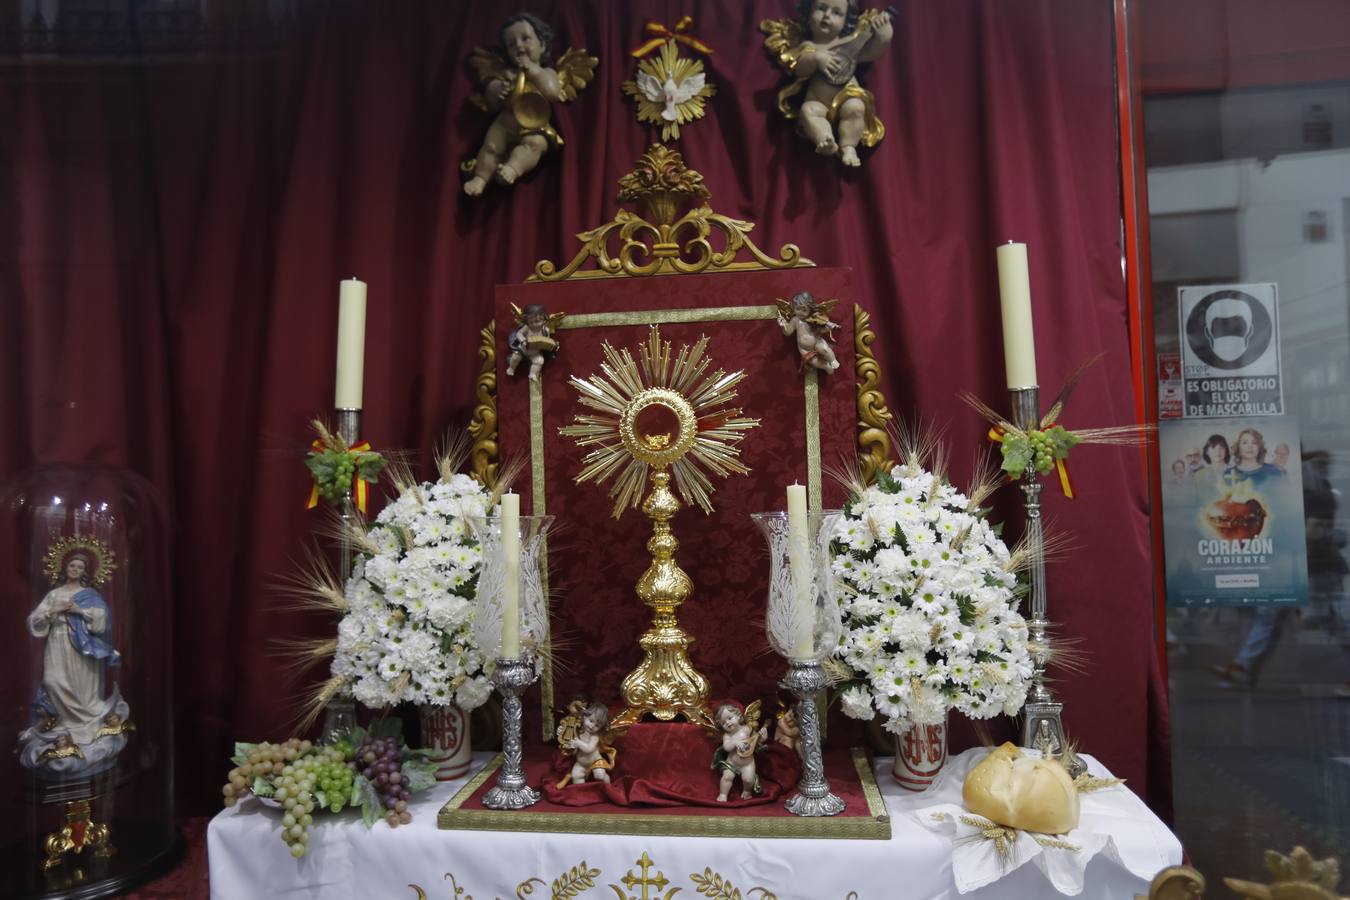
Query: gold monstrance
[[670, 418]]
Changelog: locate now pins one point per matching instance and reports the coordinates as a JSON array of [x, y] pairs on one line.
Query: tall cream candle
[[351, 344], [1014, 290], [799, 558], [511, 577]]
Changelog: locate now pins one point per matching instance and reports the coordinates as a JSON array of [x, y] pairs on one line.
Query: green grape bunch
[[335, 470], [1036, 449]]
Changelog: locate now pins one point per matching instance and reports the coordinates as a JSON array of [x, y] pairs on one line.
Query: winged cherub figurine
[[585, 735], [809, 322], [519, 88], [533, 338], [821, 51], [787, 732], [742, 735]]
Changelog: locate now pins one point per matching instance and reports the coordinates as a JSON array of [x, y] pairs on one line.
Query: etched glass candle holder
[[803, 619], [517, 644], [492, 586], [804, 625]]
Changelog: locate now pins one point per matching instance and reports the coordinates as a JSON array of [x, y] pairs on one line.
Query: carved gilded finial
[[671, 237]]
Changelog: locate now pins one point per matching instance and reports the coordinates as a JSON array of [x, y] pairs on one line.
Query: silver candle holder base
[[511, 677], [805, 679], [339, 714], [1042, 724]]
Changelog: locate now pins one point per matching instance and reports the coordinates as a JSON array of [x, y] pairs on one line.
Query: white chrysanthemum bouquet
[[407, 635], [928, 594]]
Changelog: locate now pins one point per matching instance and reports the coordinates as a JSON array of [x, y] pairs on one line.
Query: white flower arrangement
[[406, 636], [928, 595]]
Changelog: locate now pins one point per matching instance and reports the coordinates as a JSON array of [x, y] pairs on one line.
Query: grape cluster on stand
[[304, 778], [380, 761]]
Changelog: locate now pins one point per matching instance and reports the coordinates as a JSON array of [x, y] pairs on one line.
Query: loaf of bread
[[1024, 792]]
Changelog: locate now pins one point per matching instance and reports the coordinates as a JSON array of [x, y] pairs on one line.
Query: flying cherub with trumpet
[[519, 89], [808, 320], [533, 338]]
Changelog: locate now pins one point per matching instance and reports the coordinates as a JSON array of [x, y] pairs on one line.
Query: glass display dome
[[85, 683]]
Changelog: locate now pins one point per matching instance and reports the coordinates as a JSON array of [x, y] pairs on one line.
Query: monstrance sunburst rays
[[703, 443]]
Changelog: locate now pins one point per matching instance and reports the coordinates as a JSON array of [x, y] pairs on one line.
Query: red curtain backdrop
[[174, 231]]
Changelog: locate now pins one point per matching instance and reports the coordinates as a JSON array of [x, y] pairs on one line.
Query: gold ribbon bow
[[663, 33]]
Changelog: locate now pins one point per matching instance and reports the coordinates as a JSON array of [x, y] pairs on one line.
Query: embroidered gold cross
[[631, 881]]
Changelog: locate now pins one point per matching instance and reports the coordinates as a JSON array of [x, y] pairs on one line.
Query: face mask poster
[[1230, 349]]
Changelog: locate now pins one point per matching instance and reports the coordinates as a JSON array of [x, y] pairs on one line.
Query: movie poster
[[1233, 524]]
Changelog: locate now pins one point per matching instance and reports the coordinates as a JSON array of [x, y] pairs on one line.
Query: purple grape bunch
[[380, 760]]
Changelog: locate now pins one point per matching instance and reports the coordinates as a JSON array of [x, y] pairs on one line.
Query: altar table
[[248, 859]]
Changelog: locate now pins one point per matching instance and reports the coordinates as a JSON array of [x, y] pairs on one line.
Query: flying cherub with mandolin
[[835, 112]]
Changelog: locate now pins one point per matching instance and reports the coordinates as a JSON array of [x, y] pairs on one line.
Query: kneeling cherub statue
[[519, 88], [821, 51], [742, 735], [584, 734]]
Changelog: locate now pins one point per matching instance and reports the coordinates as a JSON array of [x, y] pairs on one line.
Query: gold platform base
[[875, 826], [80, 833]]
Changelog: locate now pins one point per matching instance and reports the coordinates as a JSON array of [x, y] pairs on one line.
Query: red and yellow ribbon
[[1061, 466], [662, 33], [360, 490]]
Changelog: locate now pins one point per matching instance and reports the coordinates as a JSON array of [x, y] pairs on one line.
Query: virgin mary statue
[[77, 726]]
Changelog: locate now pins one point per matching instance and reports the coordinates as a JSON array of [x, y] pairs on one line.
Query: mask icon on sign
[[1228, 329]]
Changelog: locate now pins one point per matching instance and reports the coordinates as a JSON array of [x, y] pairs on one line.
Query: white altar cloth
[[248, 860]]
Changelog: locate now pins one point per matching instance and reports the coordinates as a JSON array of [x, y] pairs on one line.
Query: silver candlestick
[[1042, 725], [805, 679], [511, 677], [349, 429], [339, 714]]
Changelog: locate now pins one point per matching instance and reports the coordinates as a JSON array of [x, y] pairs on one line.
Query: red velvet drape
[[173, 234]]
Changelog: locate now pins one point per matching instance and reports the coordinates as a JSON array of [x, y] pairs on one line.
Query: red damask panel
[[594, 559]]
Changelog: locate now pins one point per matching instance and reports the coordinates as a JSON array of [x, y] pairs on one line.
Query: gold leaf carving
[[483, 426], [874, 444]]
